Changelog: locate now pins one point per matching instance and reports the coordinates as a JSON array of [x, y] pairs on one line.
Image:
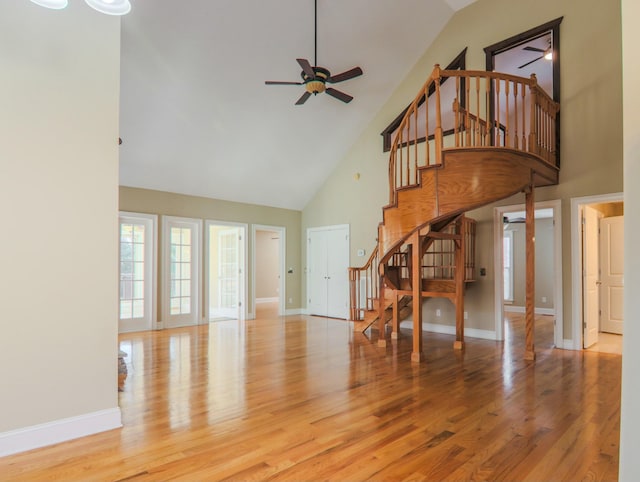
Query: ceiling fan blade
[[306, 67], [532, 61], [533, 49], [304, 98], [277, 82], [349, 74], [346, 98]]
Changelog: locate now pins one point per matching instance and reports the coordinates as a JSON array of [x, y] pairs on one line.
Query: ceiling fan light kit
[[110, 7], [54, 4], [314, 78]]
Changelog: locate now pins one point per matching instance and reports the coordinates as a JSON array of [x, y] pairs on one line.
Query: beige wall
[[59, 198], [267, 269], [591, 129], [630, 416], [165, 203]]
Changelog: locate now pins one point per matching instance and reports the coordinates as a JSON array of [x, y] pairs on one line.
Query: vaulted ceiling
[[197, 118]]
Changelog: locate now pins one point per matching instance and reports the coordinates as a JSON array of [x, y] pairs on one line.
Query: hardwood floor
[[304, 398]]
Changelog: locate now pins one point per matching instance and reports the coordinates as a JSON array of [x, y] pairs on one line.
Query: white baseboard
[[451, 330], [521, 309], [468, 332], [294, 311], [251, 316], [569, 345], [266, 300], [50, 433]]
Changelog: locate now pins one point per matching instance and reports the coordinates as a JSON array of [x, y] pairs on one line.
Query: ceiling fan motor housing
[[316, 85]]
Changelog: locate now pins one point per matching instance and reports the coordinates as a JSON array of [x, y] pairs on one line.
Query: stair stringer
[[466, 179]]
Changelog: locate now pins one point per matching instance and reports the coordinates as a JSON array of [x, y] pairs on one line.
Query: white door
[[590, 278], [338, 273], [181, 267], [327, 271], [317, 272], [611, 274], [137, 272]]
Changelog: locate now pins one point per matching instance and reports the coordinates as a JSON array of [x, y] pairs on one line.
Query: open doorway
[[226, 247], [598, 277], [509, 265], [268, 271]]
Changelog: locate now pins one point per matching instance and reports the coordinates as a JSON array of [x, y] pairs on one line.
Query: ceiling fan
[[315, 78], [546, 53]]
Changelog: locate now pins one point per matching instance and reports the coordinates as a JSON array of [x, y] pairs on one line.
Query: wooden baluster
[[400, 163], [506, 107], [554, 154], [487, 109], [523, 93], [407, 146], [352, 294], [457, 134], [497, 127], [392, 175], [467, 123], [415, 143], [533, 134], [426, 123], [515, 116], [438, 131]]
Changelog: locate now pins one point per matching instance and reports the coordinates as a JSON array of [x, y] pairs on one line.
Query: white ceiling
[[197, 118]]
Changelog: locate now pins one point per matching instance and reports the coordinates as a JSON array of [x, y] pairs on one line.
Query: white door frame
[[245, 282], [577, 205], [151, 266], [498, 233], [196, 293], [282, 293]]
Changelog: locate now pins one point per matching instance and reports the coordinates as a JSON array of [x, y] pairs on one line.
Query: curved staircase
[[470, 138]]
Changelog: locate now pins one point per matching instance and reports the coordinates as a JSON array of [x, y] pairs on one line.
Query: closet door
[[327, 275], [317, 272]]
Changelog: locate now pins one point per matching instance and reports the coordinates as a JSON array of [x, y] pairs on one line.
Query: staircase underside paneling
[[467, 179]]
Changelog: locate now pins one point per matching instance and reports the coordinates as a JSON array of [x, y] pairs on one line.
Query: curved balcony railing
[[471, 109]]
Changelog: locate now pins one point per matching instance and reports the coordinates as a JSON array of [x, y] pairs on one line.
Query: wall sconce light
[[110, 7]]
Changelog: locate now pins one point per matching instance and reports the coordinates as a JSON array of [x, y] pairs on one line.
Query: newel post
[[438, 131], [533, 125]]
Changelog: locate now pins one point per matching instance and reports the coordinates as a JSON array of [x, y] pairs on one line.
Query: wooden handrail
[[480, 109], [357, 305], [437, 262]]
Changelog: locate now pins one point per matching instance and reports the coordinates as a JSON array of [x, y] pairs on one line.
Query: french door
[[225, 270], [181, 268], [138, 235]]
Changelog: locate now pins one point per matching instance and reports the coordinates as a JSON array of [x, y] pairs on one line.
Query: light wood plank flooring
[[303, 398]]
